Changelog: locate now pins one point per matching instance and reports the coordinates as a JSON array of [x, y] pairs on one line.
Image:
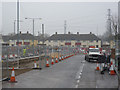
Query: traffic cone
[[47, 63], [12, 78], [65, 57], [112, 71], [35, 64], [13, 55], [111, 63], [52, 61], [56, 61], [97, 68], [60, 58]]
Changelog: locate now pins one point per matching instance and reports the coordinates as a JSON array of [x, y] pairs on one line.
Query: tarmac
[[93, 79], [73, 72]]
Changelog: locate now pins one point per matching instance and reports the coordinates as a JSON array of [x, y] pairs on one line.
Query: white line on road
[[80, 74], [79, 77], [76, 86], [78, 81]]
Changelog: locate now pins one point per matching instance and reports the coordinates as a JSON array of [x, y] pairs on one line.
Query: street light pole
[[14, 27], [33, 39], [33, 19], [18, 30], [33, 27]]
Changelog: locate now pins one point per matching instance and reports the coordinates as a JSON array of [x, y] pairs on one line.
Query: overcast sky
[[81, 17]]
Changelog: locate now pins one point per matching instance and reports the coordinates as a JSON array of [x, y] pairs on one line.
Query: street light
[[33, 19], [33, 22], [15, 23], [15, 27]]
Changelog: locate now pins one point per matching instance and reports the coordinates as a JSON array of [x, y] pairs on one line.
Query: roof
[[73, 37], [40, 38], [24, 36], [6, 38]]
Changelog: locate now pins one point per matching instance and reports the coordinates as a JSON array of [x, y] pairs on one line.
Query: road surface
[[74, 72]]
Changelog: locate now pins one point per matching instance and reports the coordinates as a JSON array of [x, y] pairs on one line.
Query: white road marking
[[78, 81], [80, 73], [79, 77], [76, 86]]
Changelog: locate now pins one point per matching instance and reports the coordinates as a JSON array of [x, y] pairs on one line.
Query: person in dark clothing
[[102, 60]]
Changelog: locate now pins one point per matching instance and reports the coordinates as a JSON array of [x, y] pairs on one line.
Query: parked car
[[92, 54]]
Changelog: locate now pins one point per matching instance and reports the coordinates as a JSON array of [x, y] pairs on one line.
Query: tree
[[114, 22]]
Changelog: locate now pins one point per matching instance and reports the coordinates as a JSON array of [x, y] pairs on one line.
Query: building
[[40, 39], [5, 40], [74, 40], [24, 39]]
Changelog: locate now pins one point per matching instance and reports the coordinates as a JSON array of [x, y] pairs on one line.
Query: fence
[[23, 57]]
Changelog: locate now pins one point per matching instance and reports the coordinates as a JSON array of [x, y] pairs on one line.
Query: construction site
[[36, 53]]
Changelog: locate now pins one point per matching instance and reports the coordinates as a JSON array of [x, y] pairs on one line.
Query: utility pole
[[33, 19], [14, 27], [33, 28], [97, 30], [65, 26], [18, 30], [43, 32], [119, 17], [109, 24]]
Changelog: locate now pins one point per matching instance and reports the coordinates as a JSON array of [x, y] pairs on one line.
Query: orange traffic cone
[[35, 64], [60, 58], [65, 57], [12, 79], [112, 71], [52, 61], [47, 63], [56, 61], [111, 63], [97, 68]]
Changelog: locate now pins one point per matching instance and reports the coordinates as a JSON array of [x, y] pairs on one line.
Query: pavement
[[74, 72]]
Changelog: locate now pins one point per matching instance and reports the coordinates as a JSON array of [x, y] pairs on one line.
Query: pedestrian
[[101, 60], [24, 52]]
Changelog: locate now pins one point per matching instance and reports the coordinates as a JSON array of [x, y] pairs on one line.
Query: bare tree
[[114, 24]]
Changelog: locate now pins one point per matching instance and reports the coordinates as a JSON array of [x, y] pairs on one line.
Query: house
[[40, 39], [74, 40], [24, 39], [5, 40]]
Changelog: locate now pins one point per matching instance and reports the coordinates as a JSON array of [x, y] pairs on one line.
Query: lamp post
[[33, 19], [15, 25]]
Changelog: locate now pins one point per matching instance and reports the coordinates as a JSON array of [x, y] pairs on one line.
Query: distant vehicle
[[92, 54]]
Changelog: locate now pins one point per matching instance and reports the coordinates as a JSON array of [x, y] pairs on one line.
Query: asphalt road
[[91, 78], [61, 75], [74, 72]]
